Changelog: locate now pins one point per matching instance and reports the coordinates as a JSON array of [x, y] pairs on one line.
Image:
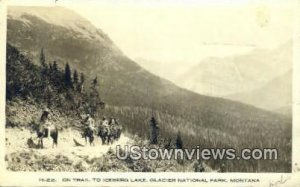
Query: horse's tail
[[55, 140], [54, 136]]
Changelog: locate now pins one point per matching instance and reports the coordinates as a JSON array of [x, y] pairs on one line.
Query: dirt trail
[[68, 157], [16, 141]]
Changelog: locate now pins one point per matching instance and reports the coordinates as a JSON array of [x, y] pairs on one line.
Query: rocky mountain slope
[[274, 95]]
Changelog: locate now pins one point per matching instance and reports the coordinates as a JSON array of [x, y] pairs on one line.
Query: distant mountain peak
[[53, 15], [241, 73], [58, 16]]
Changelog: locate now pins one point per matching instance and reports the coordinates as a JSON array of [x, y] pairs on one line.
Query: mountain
[[89, 50], [238, 74], [286, 110], [135, 95], [276, 95]]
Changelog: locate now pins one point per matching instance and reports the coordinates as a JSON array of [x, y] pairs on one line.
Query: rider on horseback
[[45, 115], [88, 129], [112, 121], [45, 121], [105, 122], [89, 122]]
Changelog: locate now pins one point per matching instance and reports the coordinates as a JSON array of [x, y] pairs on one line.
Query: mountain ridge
[[238, 74], [279, 89], [108, 65]]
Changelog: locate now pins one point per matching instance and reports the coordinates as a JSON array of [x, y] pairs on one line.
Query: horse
[[88, 129], [115, 130], [115, 133], [42, 132], [104, 133], [118, 132], [111, 136], [54, 135], [88, 133]]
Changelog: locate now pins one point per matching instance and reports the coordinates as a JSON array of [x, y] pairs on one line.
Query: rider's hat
[[46, 111]]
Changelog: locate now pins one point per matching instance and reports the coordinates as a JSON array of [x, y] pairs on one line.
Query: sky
[[189, 33], [169, 32]]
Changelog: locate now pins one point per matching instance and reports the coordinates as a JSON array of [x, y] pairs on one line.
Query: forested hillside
[[47, 83]]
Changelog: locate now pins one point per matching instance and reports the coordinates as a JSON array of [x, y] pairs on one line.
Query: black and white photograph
[[155, 87]]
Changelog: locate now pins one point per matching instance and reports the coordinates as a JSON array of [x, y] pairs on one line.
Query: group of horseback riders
[[107, 130]]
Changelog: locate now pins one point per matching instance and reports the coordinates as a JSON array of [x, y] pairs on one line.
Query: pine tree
[[51, 75], [43, 59], [68, 79], [54, 66], [50, 67], [75, 80], [179, 143], [56, 76], [94, 82], [44, 70], [80, 86], [95, 100], [153, 131], [81, 78]]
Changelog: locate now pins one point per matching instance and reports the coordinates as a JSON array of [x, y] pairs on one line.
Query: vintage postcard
[[150, 93]]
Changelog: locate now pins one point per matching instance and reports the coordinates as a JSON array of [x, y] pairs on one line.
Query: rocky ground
[[69, 157], [65, 157]]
